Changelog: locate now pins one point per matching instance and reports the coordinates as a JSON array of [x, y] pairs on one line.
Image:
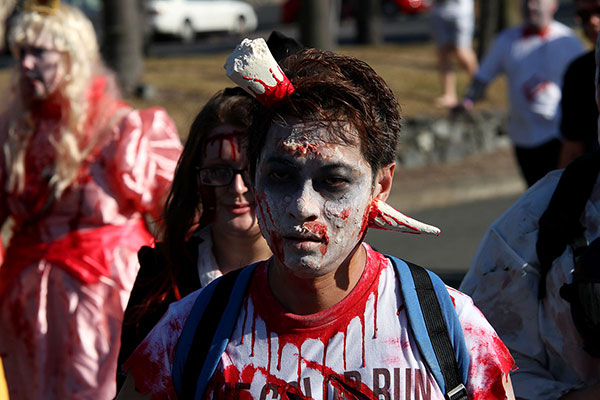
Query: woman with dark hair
[[209, 211]]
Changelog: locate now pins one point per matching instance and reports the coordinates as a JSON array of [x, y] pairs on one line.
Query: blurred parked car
[[291, 8], [186, 18]]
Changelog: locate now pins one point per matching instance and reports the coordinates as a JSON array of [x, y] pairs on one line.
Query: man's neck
[[248, 250], [310, 295]]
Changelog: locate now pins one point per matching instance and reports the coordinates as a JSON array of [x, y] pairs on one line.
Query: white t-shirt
[[534, 65], [454, 8], [362, 344], [504, 280]]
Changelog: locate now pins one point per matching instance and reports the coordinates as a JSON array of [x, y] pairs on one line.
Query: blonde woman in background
[[79, 172]]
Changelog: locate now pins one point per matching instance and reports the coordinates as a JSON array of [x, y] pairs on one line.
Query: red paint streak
[[362, 322], [376, 293], [388, 219], [234, 138], [319, 229], [272, 94], [492, 363], [253, 334], [365, 219], [279, 351], [275, 238], [344, 351], [330, 376]]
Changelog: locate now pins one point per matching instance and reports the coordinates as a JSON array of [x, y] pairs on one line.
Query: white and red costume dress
[[364, 343], [72, 261]]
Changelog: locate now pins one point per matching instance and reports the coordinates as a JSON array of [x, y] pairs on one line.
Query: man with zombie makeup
[[324, 318], [79, 172], [537, 280], [534, 57]]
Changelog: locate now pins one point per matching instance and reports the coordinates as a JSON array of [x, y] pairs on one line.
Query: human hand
[[462, 108]]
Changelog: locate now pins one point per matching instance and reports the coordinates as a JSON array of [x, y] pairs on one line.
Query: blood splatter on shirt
[[361, 348]]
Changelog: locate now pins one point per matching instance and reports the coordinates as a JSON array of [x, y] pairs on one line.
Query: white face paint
[[42, 69], [313, 198], [539, 13]]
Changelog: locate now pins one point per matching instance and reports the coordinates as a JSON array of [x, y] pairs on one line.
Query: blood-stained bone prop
[[252, 67], [387, 218]]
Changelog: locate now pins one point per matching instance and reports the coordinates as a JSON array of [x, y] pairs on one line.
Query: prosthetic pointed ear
[[387, 218], [252, 67]]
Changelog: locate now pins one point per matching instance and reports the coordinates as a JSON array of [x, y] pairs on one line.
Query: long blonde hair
[[73, 35]]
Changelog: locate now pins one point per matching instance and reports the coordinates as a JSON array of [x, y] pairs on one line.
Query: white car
[[185, 18]]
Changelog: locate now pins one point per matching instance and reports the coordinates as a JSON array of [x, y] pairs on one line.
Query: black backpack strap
[[438, 333], [560, 224]]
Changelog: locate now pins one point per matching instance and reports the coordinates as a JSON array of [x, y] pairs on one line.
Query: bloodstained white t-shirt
[[360, 348], [534, 65]]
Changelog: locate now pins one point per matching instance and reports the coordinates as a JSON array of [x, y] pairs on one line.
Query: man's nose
[[304, 205]]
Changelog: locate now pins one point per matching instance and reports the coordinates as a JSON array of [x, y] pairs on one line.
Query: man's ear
[[383, 182]]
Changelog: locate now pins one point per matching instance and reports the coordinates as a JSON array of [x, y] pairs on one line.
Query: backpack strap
[[207, 331], [559, 225], [436, 328]]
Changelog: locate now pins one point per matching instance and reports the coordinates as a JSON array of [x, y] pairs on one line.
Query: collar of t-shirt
[[208, 270]]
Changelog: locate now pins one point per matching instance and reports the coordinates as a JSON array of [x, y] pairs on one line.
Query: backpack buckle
[[458, 393]]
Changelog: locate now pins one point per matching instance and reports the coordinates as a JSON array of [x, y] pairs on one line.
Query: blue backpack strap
[[207, 330], [433, 352]]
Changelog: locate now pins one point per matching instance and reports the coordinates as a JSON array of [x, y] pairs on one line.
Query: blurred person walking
[[79, 171], [534, 57], [452, 23]]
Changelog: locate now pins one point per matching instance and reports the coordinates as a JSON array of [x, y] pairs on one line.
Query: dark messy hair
[[333, 90], [188, 205]]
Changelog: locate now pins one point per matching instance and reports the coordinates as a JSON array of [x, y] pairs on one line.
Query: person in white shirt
[[534, 57]]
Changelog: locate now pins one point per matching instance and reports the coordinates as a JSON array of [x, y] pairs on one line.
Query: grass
[[184, 84]]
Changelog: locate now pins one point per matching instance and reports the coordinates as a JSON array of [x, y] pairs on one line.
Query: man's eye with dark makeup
[[332, 184], [280, 175]]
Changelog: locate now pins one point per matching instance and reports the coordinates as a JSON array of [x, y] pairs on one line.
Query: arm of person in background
[[145, 158], [491, 66]]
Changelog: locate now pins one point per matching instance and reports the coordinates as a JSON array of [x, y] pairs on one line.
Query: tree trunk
[[123, 41], [368, 22], [316, 24]]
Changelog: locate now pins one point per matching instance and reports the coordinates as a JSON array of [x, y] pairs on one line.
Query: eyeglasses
[[221, 176], [587, 14]]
